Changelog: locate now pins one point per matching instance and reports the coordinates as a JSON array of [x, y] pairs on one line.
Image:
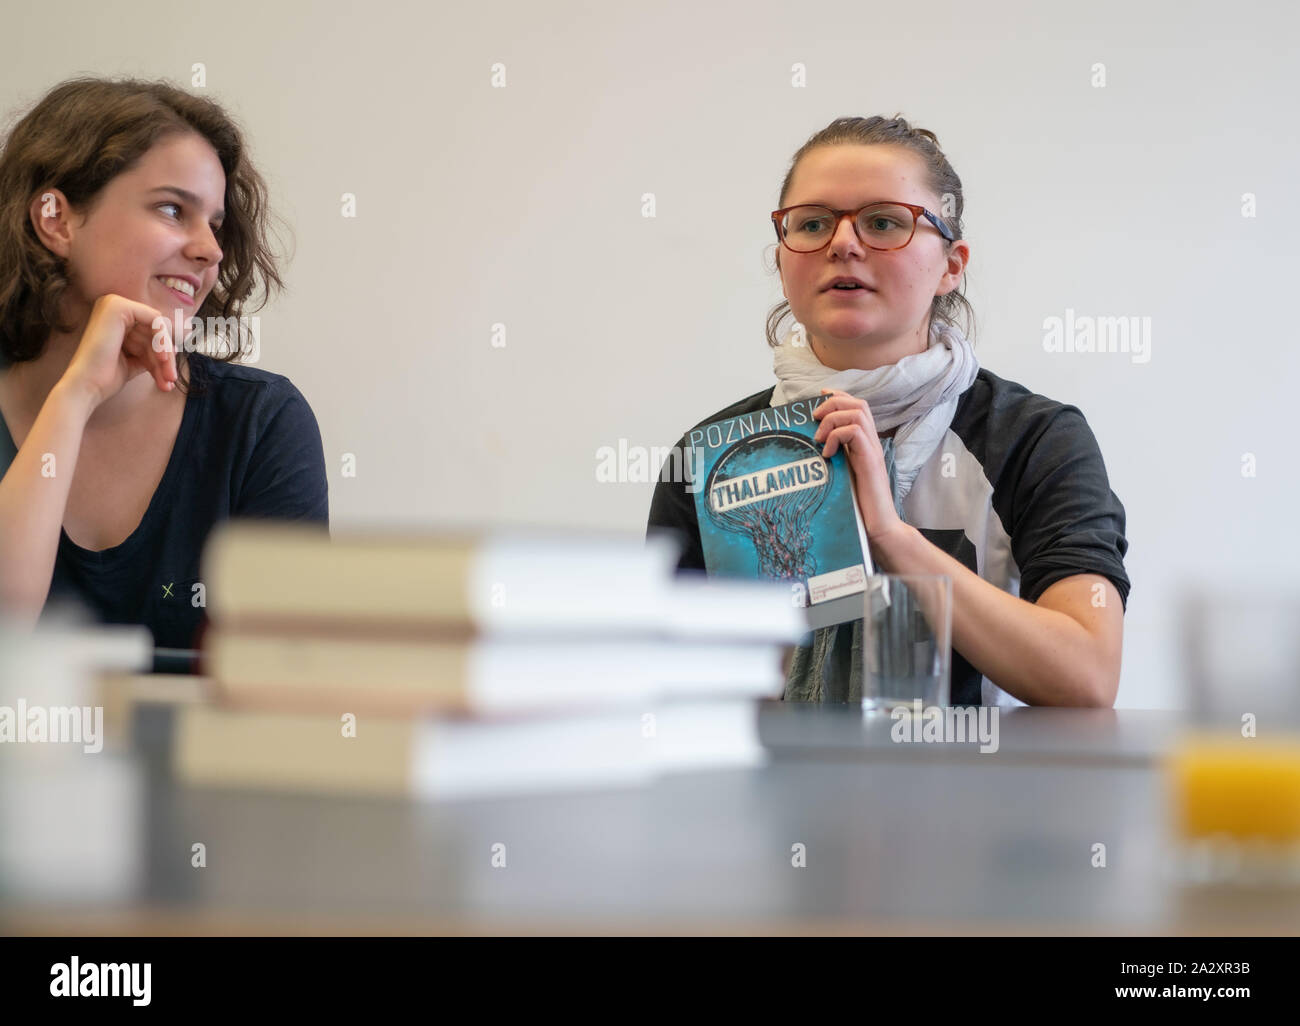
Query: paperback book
[[770, 506]]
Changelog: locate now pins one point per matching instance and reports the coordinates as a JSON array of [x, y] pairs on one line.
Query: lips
[[183, 297], [847, 280]]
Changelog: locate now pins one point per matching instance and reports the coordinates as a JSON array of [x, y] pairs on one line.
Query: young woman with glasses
[[956, 470], [127, 209]]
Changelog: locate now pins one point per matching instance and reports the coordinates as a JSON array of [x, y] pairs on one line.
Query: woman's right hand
[[119, 344]]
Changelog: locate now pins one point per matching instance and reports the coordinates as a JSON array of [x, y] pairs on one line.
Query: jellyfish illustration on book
[[768, 487]]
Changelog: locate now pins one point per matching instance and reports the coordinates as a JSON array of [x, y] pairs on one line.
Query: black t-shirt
[[248, 446], [1016, 492]]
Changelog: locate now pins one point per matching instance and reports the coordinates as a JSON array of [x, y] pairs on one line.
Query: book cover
[[770, 506]]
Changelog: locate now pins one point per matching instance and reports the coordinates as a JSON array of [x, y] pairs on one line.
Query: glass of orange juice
[[1234, 776]]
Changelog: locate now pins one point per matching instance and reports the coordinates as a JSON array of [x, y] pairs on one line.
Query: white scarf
[[918, 394]]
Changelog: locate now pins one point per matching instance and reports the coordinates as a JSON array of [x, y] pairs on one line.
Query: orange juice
[[1241, 788]]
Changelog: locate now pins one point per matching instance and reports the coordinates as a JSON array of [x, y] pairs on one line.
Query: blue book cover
[[770, 506]]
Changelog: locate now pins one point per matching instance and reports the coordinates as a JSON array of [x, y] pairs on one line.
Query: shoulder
[[672, 505], [1004, 400], [997, 416], [274, 443], [1049, 484], [249, 395], [237, 382]]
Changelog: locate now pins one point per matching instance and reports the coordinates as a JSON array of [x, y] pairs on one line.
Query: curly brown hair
[[77, 138], [941, 179]]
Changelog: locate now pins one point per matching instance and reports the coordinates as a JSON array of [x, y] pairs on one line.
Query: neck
[[26, 386], [38, 377], [856, 354], [35, 379]]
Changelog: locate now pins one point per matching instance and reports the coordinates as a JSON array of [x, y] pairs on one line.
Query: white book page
[[877, 586]]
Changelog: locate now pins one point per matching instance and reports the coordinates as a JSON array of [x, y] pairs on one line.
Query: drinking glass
[[906, 641], [1234, 774]]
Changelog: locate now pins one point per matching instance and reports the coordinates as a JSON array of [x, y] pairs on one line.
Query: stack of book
[[468, 664]]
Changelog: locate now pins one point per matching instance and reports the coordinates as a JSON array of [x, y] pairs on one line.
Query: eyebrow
[[188, 197]]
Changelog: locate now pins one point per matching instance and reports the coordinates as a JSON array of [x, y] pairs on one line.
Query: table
[[897, 839]]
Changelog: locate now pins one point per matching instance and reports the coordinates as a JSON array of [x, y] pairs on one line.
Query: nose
[[203, 246], [845, 241]]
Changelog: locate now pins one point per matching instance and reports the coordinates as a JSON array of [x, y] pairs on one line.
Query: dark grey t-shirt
[[1016, 492], [248, 446]]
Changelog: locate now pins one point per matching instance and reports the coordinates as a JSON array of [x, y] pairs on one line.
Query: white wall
[[479, 205]]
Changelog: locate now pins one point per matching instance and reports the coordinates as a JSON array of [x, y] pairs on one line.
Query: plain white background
[[521, 206]]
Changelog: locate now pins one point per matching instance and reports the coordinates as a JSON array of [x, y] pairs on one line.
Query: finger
[[155, 357], [848, 415], [151, 349], [162, 348], [840, 418], [853, 440], [838, 401], [852, 404], [834, 441], [828, 402], [167, 364]]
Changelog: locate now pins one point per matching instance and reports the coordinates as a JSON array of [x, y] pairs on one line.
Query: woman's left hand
[[846, 422]]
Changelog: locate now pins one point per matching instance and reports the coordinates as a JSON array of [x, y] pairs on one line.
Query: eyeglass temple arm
[[944, 230]]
